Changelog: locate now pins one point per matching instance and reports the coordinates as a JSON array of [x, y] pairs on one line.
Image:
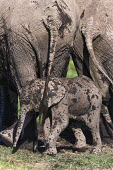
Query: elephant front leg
[[60, 122], [8, 107], [79, 136], [46, 128]]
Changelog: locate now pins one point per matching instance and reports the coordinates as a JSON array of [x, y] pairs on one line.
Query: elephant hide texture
[[76, 98]]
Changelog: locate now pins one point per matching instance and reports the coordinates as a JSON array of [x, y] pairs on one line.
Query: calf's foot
[[96, 150], [51, 151], [80, 139]]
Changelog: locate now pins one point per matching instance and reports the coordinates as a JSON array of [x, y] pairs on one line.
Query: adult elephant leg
[[60, 65], [12, 107], [22, 66], [85, 67], [110, 107], [8, 107], [80, 55], [2, 107], [25, 66], [80, 65], [29, 136], [104, 86]]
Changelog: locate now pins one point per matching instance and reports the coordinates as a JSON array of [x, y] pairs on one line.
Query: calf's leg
[[92, 121], [59, 123]]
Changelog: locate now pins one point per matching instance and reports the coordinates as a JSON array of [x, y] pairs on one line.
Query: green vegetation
[[71, 70], [25, 160]]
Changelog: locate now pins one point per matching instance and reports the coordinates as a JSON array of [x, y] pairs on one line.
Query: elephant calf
[[81, 101], [76, 98]]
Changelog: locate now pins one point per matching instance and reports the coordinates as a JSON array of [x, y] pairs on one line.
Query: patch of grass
[[25, 160], [71, 70]]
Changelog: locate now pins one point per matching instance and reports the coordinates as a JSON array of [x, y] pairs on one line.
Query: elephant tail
[[89, 43], [50, 25]]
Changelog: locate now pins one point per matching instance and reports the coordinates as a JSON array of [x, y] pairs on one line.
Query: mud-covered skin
[[82, 101], [76, 98], [32, 34], [30, 39], [96, 39], [31, 98]]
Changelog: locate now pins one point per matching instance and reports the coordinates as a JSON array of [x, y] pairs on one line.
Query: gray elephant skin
[[76, 98], [29, 43], [28, 37], [94, 38], [90, 31]]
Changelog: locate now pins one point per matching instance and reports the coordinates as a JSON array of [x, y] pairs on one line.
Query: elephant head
[[31, 97]]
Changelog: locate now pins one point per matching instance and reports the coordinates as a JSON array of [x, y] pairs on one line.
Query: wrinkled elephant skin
[[76, 98], [30, 31]]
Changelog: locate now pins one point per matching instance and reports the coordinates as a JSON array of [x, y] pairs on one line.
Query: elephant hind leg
[[79, 136], [92, 121], [81, 139]]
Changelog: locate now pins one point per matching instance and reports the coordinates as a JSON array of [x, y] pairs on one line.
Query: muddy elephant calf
[[76, 98], [81, 101]]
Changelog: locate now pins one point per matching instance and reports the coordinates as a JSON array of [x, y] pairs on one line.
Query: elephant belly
[[82, 94], [79, 106]]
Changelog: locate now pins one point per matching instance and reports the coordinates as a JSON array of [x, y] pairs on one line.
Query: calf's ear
[[56, 92]]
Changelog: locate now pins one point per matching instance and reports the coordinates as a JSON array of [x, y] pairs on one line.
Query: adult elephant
[[56, 33], [94, 39], [62, 27], [32, 35]]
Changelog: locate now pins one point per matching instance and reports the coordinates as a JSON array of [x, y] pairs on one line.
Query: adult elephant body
[[26, 26], [95, 38], [96, 34], [29, 39], [32, 35]]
